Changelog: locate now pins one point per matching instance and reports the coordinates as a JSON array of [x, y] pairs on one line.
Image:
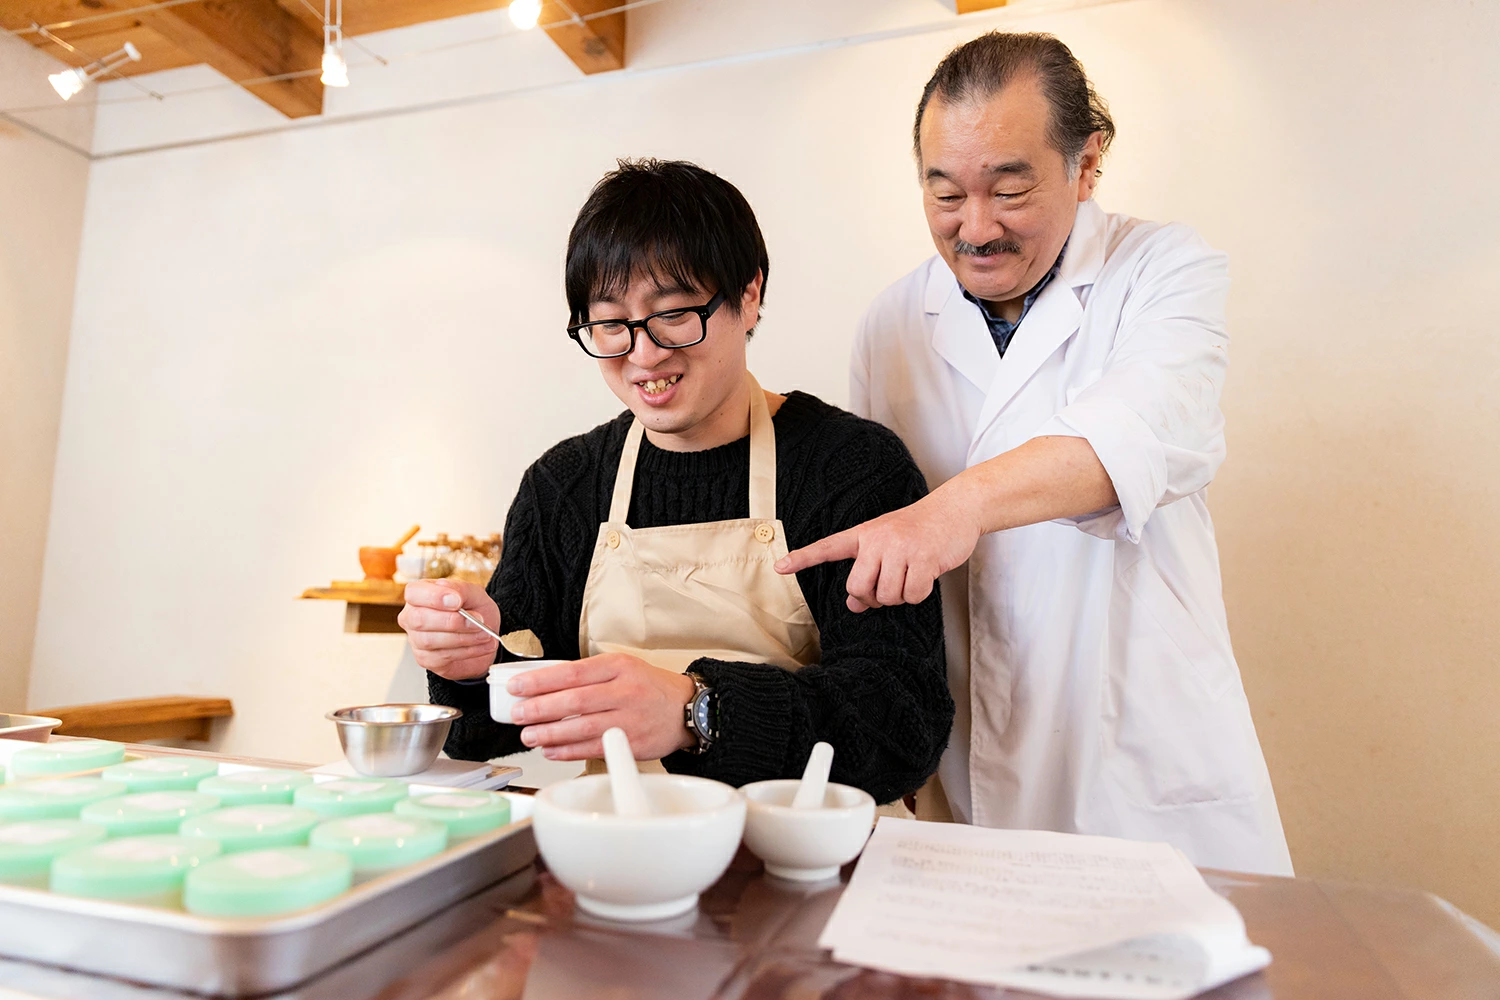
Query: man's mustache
[[989, 249]]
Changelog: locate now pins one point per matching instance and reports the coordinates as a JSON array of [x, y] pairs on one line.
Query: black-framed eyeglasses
[[671, 329]]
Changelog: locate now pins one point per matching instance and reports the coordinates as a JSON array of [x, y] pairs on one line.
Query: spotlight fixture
[[335, 69], [70, 81], [524, 14]]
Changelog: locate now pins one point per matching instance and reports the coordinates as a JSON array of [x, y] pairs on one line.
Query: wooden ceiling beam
[[17, 15], [247, 40], [243, 39], [596, 45], [93, 39], [106, 37], [251, 39], [368, 16]]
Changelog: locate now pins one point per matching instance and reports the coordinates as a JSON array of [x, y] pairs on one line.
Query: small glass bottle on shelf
[[468, 563], [437, 559]]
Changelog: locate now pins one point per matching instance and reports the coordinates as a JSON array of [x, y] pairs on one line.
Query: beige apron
[[673, 594]]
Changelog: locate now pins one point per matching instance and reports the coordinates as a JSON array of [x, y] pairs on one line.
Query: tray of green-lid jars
[[217, 876]]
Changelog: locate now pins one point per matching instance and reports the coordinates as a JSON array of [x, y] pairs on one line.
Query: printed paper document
[[1054, 913]]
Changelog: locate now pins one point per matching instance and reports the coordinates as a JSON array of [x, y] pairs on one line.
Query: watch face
[[700, 716]]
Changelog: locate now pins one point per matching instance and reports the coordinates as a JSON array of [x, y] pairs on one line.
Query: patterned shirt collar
[[1002, 331]]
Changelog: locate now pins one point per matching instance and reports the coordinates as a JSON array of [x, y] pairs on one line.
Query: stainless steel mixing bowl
[[391, 741]]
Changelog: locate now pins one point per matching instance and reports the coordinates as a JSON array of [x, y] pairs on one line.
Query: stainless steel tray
[[246, 958], [33, 728]]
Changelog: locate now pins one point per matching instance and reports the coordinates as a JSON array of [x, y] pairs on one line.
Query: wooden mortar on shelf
[[378, 562]]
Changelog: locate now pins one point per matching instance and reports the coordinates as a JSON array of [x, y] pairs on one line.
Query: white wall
[[42, 187], [289, 345]]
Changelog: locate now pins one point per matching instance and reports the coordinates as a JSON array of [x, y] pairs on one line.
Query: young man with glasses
[[643, 551]]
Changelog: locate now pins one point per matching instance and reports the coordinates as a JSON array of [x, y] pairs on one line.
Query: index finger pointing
[[844, 545]]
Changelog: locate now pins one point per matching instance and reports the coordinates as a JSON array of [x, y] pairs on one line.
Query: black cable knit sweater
[[880, 693]]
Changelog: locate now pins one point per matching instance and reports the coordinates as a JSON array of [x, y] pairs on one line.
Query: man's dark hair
[[980, 69], [668, 219]]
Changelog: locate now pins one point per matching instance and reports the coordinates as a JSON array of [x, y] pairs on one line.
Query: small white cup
[[501, 700], [409, 567]]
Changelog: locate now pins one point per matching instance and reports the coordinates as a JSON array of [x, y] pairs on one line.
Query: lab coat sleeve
[[1153, 417], [859, 370]]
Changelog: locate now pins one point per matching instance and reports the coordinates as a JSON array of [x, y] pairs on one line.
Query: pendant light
[[70, 81], [524, 14], [335, 69]]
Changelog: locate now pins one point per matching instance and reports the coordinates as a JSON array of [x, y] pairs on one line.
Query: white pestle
[[624, 781], [814, 778]]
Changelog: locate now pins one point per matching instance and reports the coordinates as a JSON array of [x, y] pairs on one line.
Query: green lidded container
[[465, 814], [265, 786], [266, 883], [377, 843], [27, 849], [64, 757], [252, 828], [350, 796], [147, 870], [147, 812], [54, 798], [162, 774]]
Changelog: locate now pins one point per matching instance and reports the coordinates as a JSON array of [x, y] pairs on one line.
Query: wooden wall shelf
[[176, 717], [370, 606]]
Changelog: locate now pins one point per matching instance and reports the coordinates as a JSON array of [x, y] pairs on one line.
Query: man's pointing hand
[[896, 556]]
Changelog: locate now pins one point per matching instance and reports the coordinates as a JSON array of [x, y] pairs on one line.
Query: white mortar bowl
[[806, 845], [638, 868]]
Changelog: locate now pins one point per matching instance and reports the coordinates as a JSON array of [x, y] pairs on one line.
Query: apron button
[[612, 539], [764, 532]]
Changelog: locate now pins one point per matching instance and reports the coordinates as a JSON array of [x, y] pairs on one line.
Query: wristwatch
[[701, 714]]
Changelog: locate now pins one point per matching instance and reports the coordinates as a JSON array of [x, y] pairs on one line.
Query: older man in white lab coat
[[1056, 372]]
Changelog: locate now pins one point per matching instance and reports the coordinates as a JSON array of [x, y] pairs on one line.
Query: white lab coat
[[1090, 658]]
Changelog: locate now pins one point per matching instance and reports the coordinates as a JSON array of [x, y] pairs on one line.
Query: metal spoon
[[482, 626], [525, 636]]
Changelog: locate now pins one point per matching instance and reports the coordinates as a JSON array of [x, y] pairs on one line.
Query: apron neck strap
[[619, 506], [762, 461], [762, 455]]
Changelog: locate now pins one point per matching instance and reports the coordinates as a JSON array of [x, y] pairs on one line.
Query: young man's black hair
[[670, 219]]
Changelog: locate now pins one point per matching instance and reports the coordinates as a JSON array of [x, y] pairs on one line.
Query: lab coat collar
[[941, 286], [961, 337], [1085, 257], [1054, 317]]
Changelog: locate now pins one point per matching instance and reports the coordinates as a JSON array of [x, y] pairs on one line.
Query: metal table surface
[[754, 938]]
